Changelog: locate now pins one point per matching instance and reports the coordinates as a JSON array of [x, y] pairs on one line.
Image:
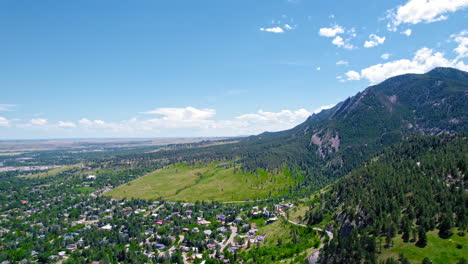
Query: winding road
[[313, 258]]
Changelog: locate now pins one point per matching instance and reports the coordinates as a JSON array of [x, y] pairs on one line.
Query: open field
[[52, 172], [205, 182], [438, 250]]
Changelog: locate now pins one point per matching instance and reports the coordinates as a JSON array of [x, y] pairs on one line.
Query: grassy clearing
[[52, 172], [280, 246], [181, 182], [438, 250], [298, 213]]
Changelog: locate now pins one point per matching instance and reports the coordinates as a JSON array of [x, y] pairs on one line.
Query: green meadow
[[211, 182], [438, 250]]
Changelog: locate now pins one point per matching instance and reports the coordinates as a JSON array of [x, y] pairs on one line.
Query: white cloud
[[331, 32], [183, 114], [423, 61], [340, 42], [273, 30], [38, 122], [64, 124], [407, 32], [342, 62], [278, 117], [462, 40], [87, 123], [4, 122], [288, 27], [7, 107], [386, 56], [318, 68], [352, 32], [373, 41], [353, 76], [324, 107], [427, 11]]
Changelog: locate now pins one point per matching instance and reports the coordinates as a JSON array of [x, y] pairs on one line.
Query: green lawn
[[181, 182], [438, 250]]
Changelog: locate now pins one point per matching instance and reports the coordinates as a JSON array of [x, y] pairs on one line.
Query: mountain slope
[[331, 143], [411, 188]]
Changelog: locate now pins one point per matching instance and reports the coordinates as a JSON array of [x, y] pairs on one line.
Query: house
[[271, 220], [91, 177], [160, 247], [222, 229], [233, 249], [70, 247], [208, 232], [204, 222], [159, 222], [211, 246], [252, 232], [185, 230], [107, 227], [221, 218]]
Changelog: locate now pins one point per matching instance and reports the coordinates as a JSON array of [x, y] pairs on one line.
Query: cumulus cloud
[[331, 32], [183, 114], [340, 42], [318, 68], [426, 11], [87, 123], [64, 124], [324, 107], [288, 27], [353, 76], [273, 30], [386, 56], [4, 122], [407, 32], [283, 116], [38, 122], [424, 60], [185, 121], [373, 41], [342, 62], [462, 40]]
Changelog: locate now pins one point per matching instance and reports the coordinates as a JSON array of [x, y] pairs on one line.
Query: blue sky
[[207, 68]]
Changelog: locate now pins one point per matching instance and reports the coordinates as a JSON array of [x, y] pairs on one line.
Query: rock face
[[328, 141]]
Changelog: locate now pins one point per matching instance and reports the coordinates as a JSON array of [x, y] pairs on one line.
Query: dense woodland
[[411, 188]]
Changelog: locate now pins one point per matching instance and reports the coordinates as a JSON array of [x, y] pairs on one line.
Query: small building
[[71, 247], [221, 218], [107, 227]]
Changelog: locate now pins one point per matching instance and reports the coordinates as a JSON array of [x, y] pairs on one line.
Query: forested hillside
[[331, 143], [411, 188]]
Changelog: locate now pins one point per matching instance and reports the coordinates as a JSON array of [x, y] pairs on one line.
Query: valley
[[378, 178]]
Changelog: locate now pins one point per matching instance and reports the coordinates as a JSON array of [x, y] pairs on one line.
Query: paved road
[[231, 238], [313, 258]]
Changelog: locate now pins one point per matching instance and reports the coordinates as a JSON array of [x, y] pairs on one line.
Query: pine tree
[[422, 238]]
